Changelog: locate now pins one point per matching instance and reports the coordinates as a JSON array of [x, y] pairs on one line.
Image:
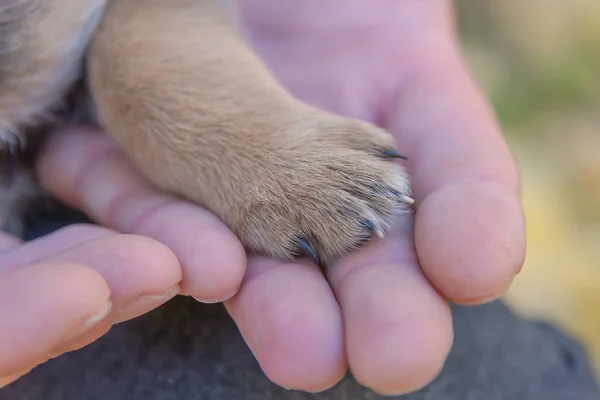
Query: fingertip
[[61, 301], [307, 354], [425, 348], [291, 322], [216, 268], [398, 330], [470, 240]]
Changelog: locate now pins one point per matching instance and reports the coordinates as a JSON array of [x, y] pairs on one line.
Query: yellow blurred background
[[539, 61]]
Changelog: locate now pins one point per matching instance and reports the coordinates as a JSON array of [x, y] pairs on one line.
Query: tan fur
[[200, 115]]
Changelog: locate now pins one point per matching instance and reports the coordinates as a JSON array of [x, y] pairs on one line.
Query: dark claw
[[309, 251], [393, 154], [368, 224]]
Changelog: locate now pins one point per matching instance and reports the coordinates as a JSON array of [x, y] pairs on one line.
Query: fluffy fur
[[199, 114]]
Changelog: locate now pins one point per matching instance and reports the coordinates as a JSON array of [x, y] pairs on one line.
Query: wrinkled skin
[[383, 311]]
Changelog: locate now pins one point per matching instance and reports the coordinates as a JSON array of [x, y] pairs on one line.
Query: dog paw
[[324, 188]]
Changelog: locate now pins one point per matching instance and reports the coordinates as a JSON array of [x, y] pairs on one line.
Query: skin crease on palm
[[383, 310]]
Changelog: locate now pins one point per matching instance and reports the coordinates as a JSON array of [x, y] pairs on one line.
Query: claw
[[371, 226], [368, 224], [393, 154], [309, 251], [404, 198]]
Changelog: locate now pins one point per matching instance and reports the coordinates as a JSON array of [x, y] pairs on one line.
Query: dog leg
[[201, 116]]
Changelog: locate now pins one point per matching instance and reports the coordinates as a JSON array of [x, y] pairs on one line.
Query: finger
[[142, 274], [55, 242], [470, 229], [289, 318], [83, 169], [44, 307], [398, 329]]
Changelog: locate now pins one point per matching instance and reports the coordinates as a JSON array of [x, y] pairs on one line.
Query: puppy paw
[[323, 188]]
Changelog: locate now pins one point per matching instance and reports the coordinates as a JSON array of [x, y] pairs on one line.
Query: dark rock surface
[[189, 351]]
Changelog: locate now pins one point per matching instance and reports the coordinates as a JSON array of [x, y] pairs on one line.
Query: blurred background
[[539, 61]]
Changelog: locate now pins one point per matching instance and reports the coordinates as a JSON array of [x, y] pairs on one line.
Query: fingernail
[[94, 319], [89, 323], [79, 332], [217, 300], [144, 304]]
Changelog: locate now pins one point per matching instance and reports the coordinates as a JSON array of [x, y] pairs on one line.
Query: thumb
[[45, 307]]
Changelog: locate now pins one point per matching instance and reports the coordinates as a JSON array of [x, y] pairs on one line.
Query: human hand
[[65, 290], [383, 310]]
